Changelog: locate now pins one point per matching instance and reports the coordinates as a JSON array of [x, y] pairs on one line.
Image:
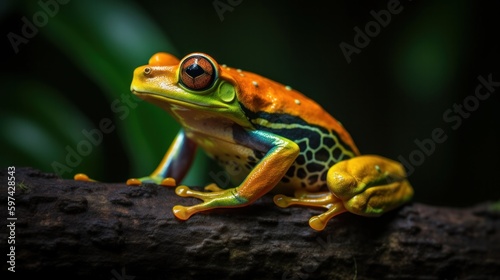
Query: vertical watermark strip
[[11, 218]]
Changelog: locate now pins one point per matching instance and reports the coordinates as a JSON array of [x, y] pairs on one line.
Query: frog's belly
[[238, 161]]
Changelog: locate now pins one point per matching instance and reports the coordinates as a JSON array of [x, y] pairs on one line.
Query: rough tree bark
[[82, 230]]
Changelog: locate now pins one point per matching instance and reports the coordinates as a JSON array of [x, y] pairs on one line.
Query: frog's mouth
[[162, 100]]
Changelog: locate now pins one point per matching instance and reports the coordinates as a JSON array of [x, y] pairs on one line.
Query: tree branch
[[84, 230]]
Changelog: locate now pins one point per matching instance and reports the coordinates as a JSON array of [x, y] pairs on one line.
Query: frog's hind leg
[[326, 200]]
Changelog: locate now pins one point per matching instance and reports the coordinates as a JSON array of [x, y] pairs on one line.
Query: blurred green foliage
[[105, 43], [75, 72], [428, 61]]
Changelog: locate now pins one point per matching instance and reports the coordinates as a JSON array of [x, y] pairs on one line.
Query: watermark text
[[94, 137], [222, 6], [454, 117], [48, 9], [362, 37], [11, 218]]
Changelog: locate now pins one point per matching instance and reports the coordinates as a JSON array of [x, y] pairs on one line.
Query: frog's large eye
[[197, 72]]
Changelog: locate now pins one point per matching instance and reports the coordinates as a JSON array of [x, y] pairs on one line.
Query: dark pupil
[[194, 70]]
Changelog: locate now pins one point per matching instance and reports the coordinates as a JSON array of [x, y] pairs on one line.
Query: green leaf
[[39, 136], [108, 40]]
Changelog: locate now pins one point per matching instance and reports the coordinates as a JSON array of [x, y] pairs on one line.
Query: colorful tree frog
[[267, 136]]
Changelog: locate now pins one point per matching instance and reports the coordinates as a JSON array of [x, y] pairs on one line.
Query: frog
[[268, 137]]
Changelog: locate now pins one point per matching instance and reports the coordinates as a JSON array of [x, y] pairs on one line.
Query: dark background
[[394, 92]]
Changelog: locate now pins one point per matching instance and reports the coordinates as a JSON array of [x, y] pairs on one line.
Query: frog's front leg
[[281, 153], [366, 185], [174, 165]]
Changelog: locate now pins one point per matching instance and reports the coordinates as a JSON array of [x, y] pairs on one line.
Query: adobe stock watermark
[[362, 37], [222, 6], [48, 9], [122, 276], [223, 178], [453, 116], [93, 137]]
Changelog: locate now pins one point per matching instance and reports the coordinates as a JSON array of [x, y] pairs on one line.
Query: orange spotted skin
[[275, 108], [258, 93]]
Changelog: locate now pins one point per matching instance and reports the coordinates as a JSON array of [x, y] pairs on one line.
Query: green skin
[[224, 112]]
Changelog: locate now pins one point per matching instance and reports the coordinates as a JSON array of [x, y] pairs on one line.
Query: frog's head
[[192, 83]]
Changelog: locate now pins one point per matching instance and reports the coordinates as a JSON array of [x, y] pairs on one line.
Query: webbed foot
[[216, 198], [326, 200]]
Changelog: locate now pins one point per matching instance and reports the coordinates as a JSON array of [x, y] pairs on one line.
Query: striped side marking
[[319, 148]]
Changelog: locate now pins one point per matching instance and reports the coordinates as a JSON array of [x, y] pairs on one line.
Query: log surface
[[67, 229]]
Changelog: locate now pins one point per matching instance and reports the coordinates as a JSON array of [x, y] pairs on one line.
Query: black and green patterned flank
[[320, 148]]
